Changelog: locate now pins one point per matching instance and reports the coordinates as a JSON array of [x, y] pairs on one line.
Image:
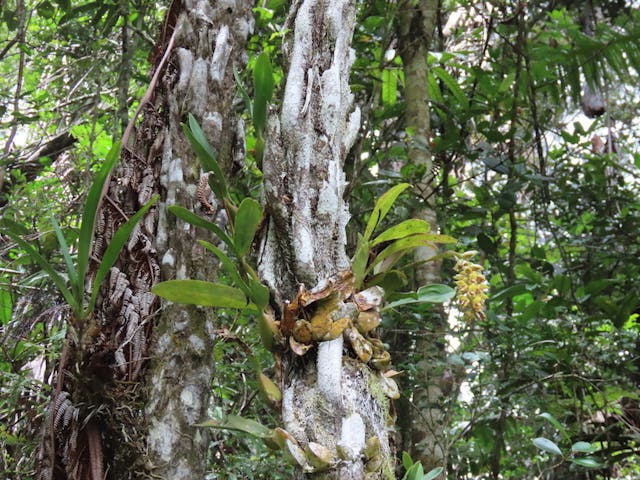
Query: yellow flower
[[472, 288]]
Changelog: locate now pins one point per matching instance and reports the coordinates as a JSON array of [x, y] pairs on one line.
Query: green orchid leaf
[[76, 287], [229, 265], [382, 207], [95, 195], [238, 424], [404, 229], [360, 260], [207, 157], [190, 217], [114, 248], [198, 292], [248, 219], [263, 90], [400, 247]]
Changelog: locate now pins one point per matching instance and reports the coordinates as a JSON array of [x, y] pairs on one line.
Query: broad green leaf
[[76, 287], [416, 472], [9, 228], [95, 195], [193, 219], [263, 91], [452, 85], [547, 445], [360, 260], [382, 207], [552, 420], [433, 473], [407, 462], [587, 462], [247, 220], [114, 248], [584, 447], [198, 292], [409, 227], [436, 293], [258, 293], [238, 424], [389, 87], [207, 157], [269, 389]]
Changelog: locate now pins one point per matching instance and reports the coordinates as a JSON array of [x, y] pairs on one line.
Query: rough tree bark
[[139, 351], [421, 418], [329, 397]]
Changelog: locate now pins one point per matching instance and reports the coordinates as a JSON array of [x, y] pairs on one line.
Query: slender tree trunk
[[132, 392], [328, 395], [421, 417]]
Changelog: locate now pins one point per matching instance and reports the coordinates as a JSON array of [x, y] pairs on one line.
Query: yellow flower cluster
[[472, 288]]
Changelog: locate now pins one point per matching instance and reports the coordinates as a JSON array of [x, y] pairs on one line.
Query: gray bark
[[332, 400], [209, 42], [138, 352]]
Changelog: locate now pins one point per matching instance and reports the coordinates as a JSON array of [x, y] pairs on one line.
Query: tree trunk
[[421, 418], [329, 397], [139, 352]]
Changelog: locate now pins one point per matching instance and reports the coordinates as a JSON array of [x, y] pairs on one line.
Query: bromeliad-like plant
[[72, 288]]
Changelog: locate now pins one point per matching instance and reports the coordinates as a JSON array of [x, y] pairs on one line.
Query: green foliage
[[81, 306]]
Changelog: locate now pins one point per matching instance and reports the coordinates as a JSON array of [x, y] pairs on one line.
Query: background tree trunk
[[328, 401], [421, 417], [209, 42], [109, 379]]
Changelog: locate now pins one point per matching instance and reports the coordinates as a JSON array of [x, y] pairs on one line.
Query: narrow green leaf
[[190, 217], [87, 224], [198, 292], [407, 244], [76, 287], [113, 250], [238, 424], [360, 260], [207, 156], [584, 447], [382, 207], [452, 85], [547, 445], [587, 462], [44, 264], [433, 473], [229, 265], [263, 91], [243, 91], [404, 229], [247, 220]]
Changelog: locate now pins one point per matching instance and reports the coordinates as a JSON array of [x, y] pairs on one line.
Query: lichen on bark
[[328, 401]]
